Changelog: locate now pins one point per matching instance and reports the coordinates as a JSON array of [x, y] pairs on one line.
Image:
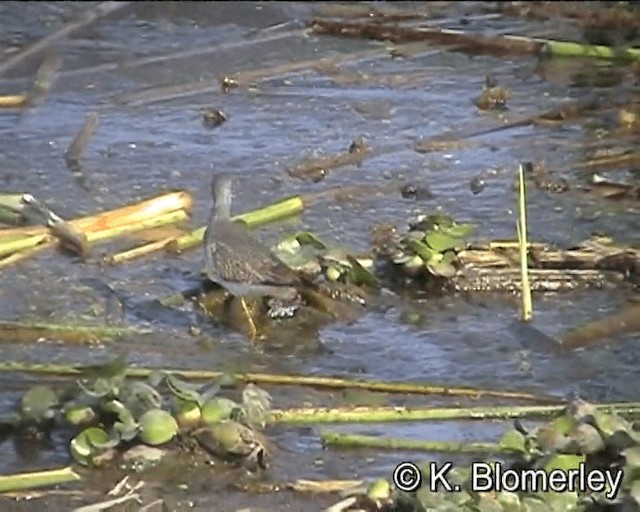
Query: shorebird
[[238, 262]]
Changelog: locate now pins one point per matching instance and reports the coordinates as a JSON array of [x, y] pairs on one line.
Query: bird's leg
[[253, 329]]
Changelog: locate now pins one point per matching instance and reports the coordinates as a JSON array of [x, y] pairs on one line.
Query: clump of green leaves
[[110, 411], [431, 245], [581, 435], [306, 252]]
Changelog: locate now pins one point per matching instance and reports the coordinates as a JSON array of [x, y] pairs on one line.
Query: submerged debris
[[227, 83], [316, 169], [212, 117]]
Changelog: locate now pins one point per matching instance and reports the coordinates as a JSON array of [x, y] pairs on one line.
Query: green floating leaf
[[39, 403], [100, 388], [307, 238], [459, 230], [632, 459], [609, 424], [560, 501], [422, 250], [551, 439], [183, 390], [90, 443], [139, 397], [563, 424], [305, 258], [218, 409], [442, 269], [487, 503], [531, 504], [563, 462], [228, 380], [227, 438], [334, 272], [586, 439], [256, 404], [441, 242], [187, 414], [433, 221], [510, 501], [359, 275], [380, 490], [157, 427], [79, 414], [513, 441], [634, 492]]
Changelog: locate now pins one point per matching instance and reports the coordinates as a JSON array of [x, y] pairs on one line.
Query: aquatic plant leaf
[[139, 397], [440, 241], [551, 439], [183, 390], [334, 272], [307, 238], [560, 501], [531, 504], [380, 490], [187, 414], [586, 439], [115, 368], [100, 388], [513, 441], [253, 394], [359, 275], [155, 378], [458, 230], [442, 269], [488, 504], [305, 258], [228, 380], [563, 462], [431, 222], [141, 457], [422, 250], [219, 409], [39, 403], [632, 460], [157, 427], [288, 245], [256, 404], [227, 438], [563, 424], [581, 410], [448, 257], [510, 501], [78, 414], [634, 491], [430, 500], [90, 443], [609, 424], [401, 258]]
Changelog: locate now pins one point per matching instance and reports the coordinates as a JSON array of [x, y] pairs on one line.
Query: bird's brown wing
[[248, 260]]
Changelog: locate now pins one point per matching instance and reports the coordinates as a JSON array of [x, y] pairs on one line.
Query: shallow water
[[140, 151]]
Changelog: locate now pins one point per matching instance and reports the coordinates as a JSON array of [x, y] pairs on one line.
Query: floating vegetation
[[109, 412], [316, 169], [590, 454], [430, 247]]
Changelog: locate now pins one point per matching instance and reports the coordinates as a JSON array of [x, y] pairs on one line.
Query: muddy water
[[145, 147]]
